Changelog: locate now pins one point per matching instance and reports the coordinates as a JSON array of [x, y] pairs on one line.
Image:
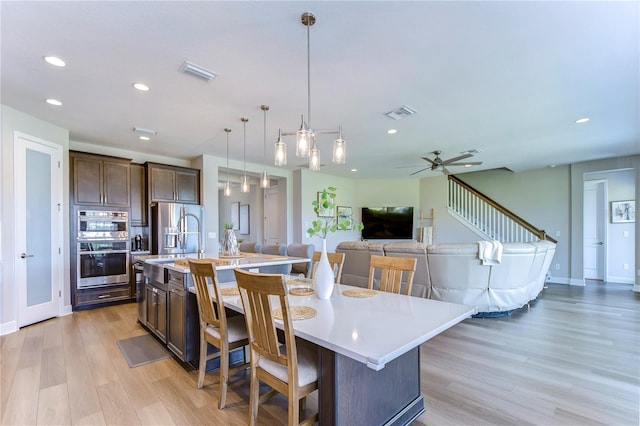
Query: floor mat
[[140, 350]]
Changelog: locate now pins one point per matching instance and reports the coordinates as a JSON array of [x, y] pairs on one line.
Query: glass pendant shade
[[339, 151], [303, 142], [227, 189], [314, 159], [265, 181], [280, 153], [244, 184], [264, 177], [227, 184]]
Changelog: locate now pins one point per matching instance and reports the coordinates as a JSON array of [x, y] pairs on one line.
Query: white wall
[[13, 120]]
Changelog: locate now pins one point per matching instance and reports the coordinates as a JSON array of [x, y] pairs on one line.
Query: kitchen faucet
[[183, 216]]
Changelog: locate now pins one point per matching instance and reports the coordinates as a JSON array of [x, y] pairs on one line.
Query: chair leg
[[254, 397], [203, 360], [224, 375], [294, 411]]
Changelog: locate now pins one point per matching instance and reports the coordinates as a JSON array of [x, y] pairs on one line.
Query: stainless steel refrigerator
[[177, 228]]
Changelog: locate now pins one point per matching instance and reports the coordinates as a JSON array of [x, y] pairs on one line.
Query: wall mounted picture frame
[[343, 212], [244, 219], [623, 211], [324, 212], [235, 215]]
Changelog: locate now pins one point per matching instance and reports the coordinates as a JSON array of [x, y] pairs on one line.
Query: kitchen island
[[167, 309], [369, 371]]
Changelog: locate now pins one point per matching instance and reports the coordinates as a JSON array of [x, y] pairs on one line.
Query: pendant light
[[264, 177], [227, 184], [244, 182], [280, 153], [306, 145]]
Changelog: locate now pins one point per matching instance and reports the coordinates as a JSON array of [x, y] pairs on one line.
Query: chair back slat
[[336, 260], [392, 270], [256, 291], [203, 272]]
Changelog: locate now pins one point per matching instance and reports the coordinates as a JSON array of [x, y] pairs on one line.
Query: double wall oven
[[103, 248]]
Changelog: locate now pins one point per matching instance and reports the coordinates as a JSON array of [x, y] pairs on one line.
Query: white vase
[[323, 278]]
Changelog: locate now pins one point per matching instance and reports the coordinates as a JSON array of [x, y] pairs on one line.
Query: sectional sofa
[[454, 272]]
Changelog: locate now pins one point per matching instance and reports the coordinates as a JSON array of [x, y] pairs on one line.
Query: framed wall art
[[235, 215], [623, 211], [244, 219]]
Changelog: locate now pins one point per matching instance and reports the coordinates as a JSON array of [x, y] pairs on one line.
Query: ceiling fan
[[439, 164]]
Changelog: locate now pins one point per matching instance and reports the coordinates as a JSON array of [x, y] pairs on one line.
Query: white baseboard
[[619, 279], [66, 310], [636, 288], [8, 327], [577, 281], [558, 280]]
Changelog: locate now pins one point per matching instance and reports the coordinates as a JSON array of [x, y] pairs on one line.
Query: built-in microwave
[[102, 225]]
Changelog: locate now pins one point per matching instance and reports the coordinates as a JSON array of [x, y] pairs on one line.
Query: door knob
[[24, 255], [600, 243]]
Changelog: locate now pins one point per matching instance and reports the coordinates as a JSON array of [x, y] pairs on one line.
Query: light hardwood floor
[[572, 359]]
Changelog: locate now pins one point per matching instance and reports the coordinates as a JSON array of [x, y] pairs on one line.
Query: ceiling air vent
[[197, 71], [402, 112]]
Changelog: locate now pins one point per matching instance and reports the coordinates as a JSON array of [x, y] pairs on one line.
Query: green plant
[[323, 225], [228, 225]]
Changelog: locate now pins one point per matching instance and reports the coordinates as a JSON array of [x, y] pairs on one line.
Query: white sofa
[[457, 275], [454, 272]]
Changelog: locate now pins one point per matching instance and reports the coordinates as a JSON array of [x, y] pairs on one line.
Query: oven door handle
[[102, 251]]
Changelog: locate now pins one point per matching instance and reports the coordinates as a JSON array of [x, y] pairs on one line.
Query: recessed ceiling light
[[468, 165], [354, 170], [145, 132], [582, 120], [392, 131], [55, 61], [144, 138], [55, 102], [141, 86]]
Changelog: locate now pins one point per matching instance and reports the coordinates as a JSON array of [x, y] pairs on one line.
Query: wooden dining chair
[[290, 368], [391, 270], [336, 260], [224, 333]]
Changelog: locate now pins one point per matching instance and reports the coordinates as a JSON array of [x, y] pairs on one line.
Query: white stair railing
[[488, 217]]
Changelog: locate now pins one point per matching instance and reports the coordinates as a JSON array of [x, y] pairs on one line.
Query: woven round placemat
[[296, 312], [301, 291], [359, 293], [229, 291]]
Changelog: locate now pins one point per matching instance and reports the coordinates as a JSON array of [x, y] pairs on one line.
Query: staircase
[[488, 218]]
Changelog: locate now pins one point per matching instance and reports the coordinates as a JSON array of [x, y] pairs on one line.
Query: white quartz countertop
[[247, 260], [373, 330]]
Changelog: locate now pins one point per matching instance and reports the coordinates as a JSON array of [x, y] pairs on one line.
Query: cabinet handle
[[104, 296]]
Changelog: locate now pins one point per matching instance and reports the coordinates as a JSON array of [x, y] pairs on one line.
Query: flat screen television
[[387, 223]]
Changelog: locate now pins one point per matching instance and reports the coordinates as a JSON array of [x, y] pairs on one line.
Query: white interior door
[[271, 216], [595, 214], [38, 210]]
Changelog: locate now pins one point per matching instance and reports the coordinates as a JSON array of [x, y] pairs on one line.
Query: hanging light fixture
[[244, 182], [227, 184], [264, 177], [305, 136], [280, 153]]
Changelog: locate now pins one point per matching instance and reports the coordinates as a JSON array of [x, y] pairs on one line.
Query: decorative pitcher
[[229, 243]]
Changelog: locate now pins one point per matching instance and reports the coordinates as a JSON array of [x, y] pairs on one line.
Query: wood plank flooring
[[572, 359]]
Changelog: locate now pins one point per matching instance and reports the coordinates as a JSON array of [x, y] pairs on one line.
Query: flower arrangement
[[323, 225], [228, 225]]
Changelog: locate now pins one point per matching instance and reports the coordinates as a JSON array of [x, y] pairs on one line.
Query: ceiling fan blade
[[471, 163], [429, 160], [422, 170], [445, 171], [454, 159]]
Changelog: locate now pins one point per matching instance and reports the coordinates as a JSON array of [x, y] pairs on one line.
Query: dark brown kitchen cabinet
[[173, 184], [138, 190], [156, 304], [100, 180]]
